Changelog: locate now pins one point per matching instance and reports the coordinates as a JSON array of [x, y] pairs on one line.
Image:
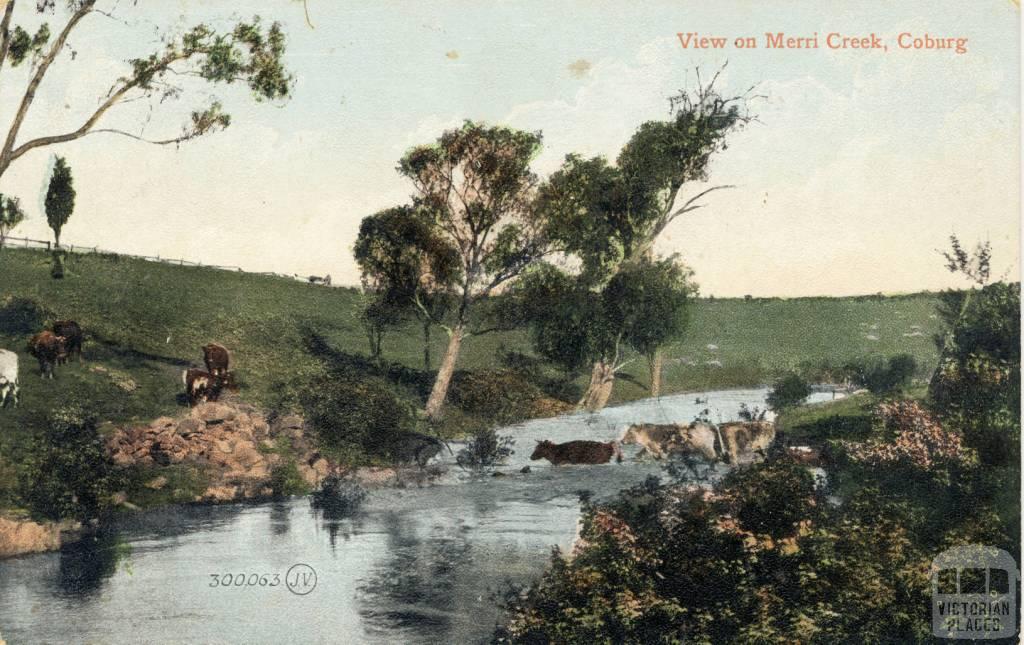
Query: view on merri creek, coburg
[[546, 322]]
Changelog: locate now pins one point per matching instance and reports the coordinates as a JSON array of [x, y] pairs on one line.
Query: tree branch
[[37, 78], [5, 32], [116, 95]]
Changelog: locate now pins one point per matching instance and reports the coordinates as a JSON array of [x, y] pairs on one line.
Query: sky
[[860, 166]]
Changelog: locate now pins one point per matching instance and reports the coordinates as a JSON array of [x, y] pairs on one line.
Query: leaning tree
[[476, 184], [610, 216], [250, 52]]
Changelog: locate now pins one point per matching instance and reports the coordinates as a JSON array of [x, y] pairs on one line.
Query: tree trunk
[[656, 360], [426, 346], [602, 379], [444, 374]]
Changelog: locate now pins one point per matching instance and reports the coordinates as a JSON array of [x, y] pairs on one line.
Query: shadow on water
[[86, 564]]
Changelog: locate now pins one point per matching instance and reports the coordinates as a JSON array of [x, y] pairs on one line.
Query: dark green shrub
[[788, 392], [20, 316], [501, 397], [771, 496], [485, 450], [285, 480], [881, 376], [337, 497], [356, 416], [66, 473]]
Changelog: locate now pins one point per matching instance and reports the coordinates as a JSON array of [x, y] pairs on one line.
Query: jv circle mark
[[300, 579]]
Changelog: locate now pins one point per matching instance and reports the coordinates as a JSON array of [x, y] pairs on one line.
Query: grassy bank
[[146, 321]]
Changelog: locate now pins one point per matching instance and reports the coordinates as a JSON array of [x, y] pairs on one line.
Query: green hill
[[145, 321]]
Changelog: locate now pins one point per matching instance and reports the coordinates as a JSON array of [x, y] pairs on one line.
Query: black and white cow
[[8, 378]]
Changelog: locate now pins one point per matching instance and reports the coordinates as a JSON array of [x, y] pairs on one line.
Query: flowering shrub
[[917, 439]]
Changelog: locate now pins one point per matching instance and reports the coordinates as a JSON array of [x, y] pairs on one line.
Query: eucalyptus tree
[[610, 216], [249, 52], [476, 183], [408, 269], [574, 326]]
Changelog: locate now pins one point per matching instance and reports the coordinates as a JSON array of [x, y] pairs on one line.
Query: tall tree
[[610, 216], [11, 215], [476, 183], [409, 270], [250, 53], [573, 325], [60, 198]]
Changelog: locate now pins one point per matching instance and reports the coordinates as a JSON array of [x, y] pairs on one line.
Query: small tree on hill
[[11, 215], [60, 198]]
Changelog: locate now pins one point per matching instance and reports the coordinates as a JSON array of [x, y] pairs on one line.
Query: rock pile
[[233, 442]]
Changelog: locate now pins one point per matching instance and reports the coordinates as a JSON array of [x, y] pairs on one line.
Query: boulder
[[189, 426], [213, 413], [18, 537], [287, 422], [219, 494], [156, 483]]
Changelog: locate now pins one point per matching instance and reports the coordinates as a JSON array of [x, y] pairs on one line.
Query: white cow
[[8, 377]]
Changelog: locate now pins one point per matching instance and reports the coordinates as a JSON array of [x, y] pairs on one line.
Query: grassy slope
[[148, 320]]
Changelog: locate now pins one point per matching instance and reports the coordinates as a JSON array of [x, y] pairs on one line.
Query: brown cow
[[202, 386], [216, 358], [48, 348], [577, 452], [71, 332]]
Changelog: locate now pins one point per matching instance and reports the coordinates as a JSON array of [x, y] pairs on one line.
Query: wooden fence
[[24, 242]]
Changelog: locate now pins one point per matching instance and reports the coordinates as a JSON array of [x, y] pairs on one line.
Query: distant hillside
[[148, 320]]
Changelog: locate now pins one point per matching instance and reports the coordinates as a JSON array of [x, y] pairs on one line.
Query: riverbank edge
[[23, 536]]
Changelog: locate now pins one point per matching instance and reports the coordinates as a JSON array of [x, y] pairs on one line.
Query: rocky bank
[[234, 444]]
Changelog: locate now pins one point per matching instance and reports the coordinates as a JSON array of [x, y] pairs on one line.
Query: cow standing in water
[[577, 452], [49, 349], [8, 378], [217, 359], [71, 332]]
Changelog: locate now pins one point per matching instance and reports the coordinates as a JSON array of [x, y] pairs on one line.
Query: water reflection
[[280, 517], [84, 565]]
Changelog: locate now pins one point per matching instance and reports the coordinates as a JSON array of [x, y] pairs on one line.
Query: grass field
[[145, 321]]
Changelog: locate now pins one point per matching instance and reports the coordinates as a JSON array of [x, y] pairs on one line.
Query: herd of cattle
[[732, 443], [51, 347], [729, 442], [64, 339]]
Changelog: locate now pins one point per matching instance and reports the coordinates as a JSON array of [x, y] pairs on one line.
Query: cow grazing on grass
[[201, 386], [577, 452], [71, 332], [48, 348], [8, 378], [217, 359]]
